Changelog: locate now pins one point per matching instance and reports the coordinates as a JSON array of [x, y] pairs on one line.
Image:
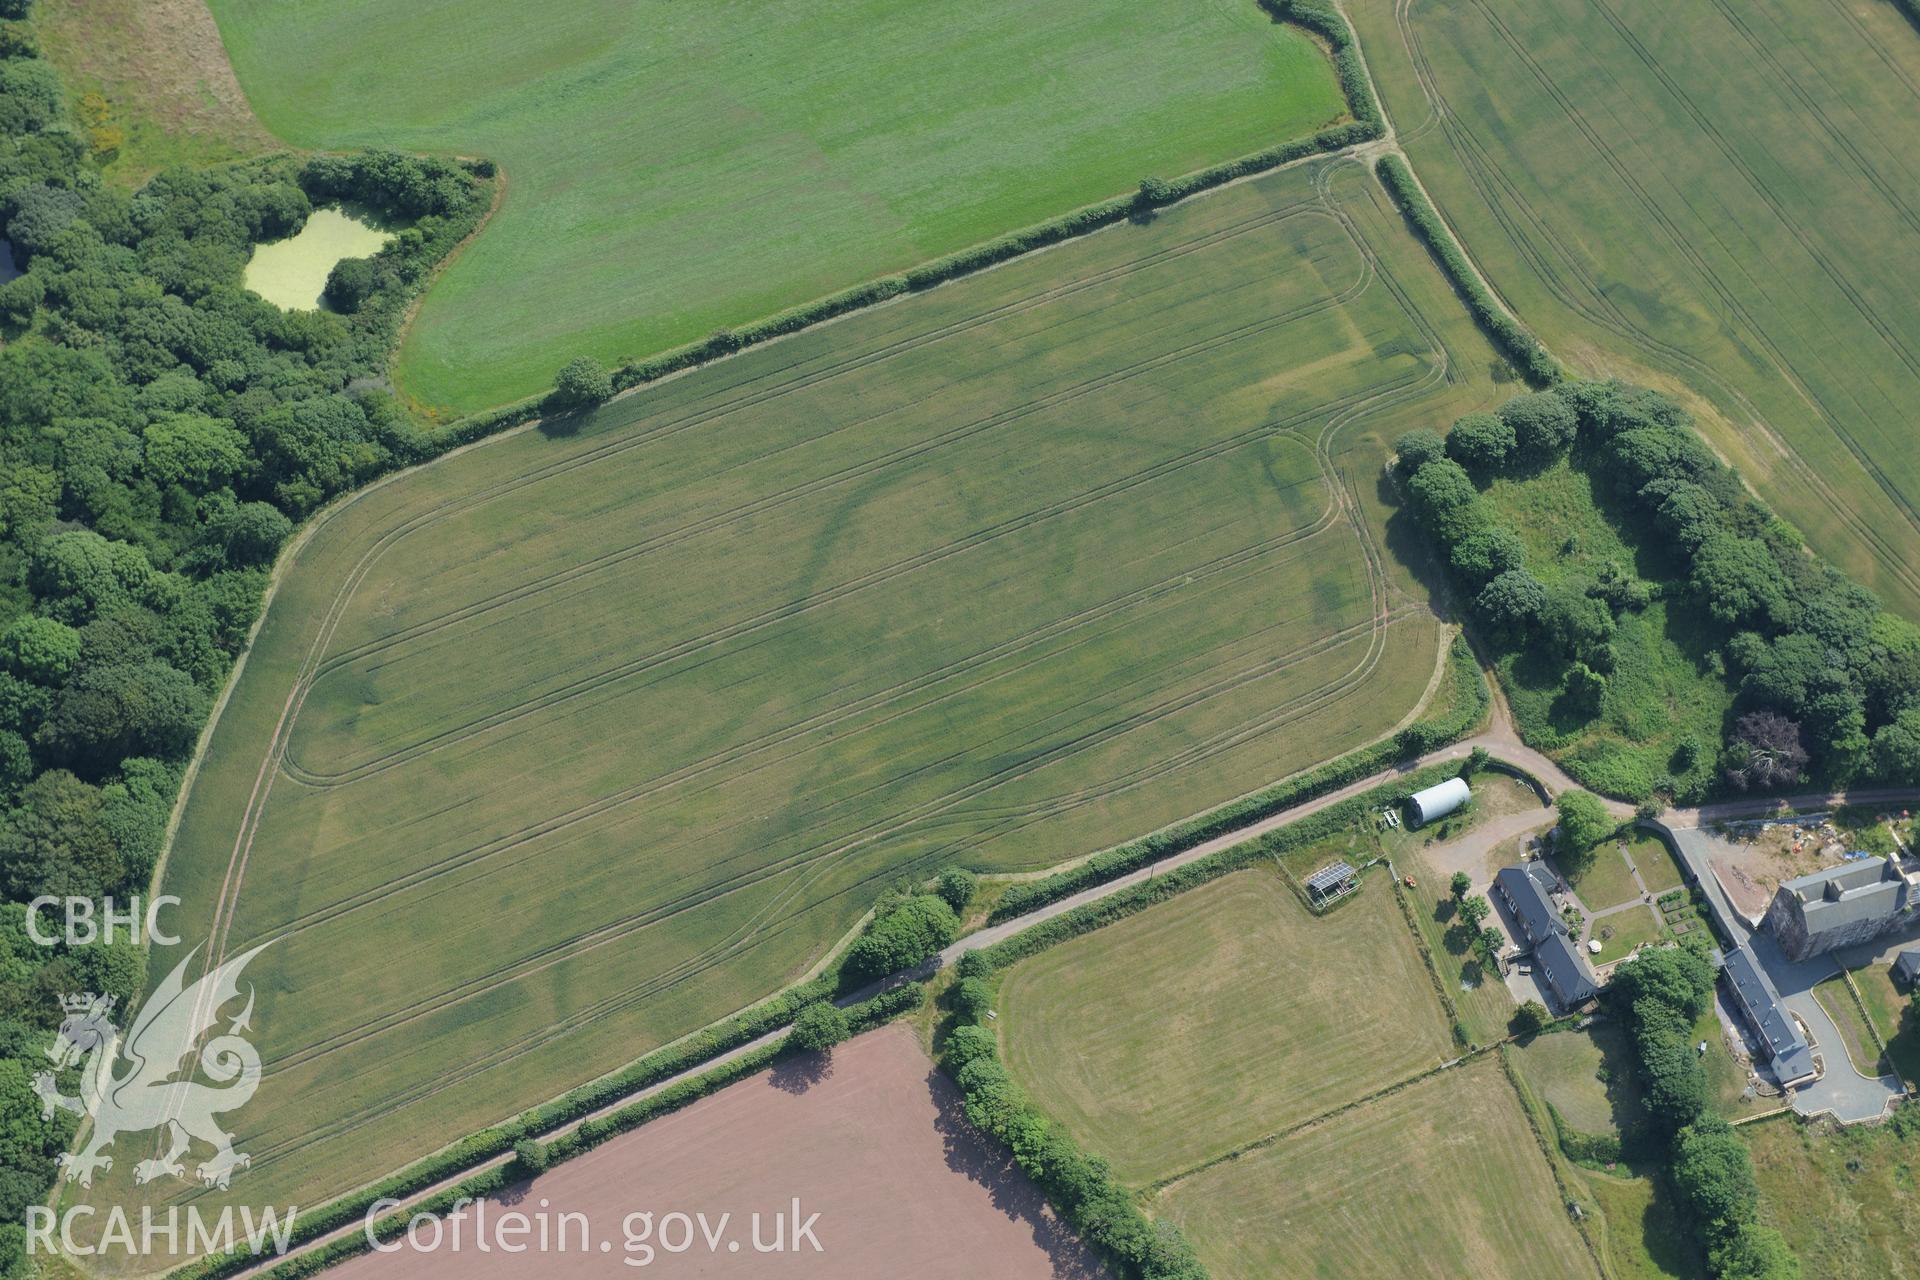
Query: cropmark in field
[[571, 743]]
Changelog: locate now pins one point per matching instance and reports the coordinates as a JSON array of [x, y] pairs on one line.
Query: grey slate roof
[[1907, 966], [1528, 900], [1792, 1057], [1865, 889], [1525, 890], [1564, 972]]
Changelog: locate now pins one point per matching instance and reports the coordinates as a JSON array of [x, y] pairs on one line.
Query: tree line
[[1827, 681], [1661, 994], [161, 430]]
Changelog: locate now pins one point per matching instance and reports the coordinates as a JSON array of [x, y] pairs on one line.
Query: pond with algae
[[292, 273]]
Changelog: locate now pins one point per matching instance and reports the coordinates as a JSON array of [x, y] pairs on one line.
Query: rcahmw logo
[[170, 1025], [85, 924]]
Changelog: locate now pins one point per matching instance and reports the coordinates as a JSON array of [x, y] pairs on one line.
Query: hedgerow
[[1367, 124], [1272, 844], [1468, 701], [1659, 994], [865, 1016], [1081, 1188], [1330, 24], [1531, 358]]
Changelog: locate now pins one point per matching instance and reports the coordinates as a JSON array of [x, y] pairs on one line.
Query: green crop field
[[1441, 1179], [675, 168], [571, 743], [1722, 198], [1219, 1018]]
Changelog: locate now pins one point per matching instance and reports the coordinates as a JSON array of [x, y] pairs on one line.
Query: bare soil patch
[[1759, 855], [872, 1140]]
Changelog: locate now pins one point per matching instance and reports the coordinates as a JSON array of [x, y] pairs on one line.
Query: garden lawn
[[1658, 867], [1607, 880], [578, 740], [1894, 1017], [1839, 1003], [1440, 1180], [676, 168], [1565, 1069], [1625, 930], [1721, 199], [1218, 1018]]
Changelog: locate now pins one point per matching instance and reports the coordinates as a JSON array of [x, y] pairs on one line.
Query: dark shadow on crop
[[990, 1165], [798, 1072]]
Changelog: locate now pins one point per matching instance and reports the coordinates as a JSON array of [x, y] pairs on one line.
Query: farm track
[[1505, 204], [243, 844], [757, 929]]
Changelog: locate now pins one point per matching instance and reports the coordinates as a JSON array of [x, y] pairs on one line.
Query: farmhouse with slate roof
[[1527, 892]]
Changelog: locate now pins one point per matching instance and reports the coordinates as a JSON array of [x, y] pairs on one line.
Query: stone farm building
[[1780, 1036], [1528, 893], [1854, 902]]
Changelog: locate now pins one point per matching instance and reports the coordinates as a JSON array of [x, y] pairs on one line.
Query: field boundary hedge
[[1269, 845], [1528, 354], [1079, 1187], [1470, 703], [1524, 1096], [1367, 124], [864, 1016]]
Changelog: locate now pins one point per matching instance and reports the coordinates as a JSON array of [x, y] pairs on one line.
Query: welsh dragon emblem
[[148, 1096]]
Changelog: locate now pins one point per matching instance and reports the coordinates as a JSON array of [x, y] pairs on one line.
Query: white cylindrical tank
[[1439, 800]]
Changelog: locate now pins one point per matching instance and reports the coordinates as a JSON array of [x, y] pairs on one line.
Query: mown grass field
[[1722, 198], [677, 168], [1218, 1018], [1441, 1179], [570, 743], [1566, 1068]]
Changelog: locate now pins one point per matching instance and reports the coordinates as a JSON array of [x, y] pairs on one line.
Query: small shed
[[1907, 966], [1438, 800], [1332, 882]]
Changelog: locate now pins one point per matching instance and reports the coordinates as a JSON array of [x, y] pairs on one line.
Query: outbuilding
[[1438, 800], [1907, 967]]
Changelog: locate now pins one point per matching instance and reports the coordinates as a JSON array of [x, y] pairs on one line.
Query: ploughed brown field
[[871, 1140]]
